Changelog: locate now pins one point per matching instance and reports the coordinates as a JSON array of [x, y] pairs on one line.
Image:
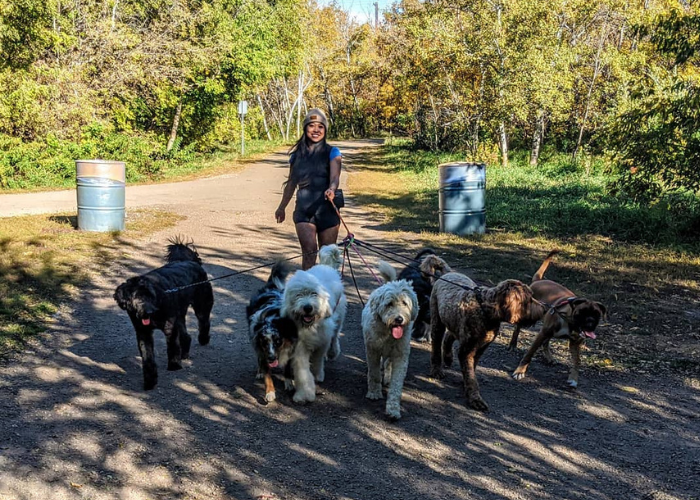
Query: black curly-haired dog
[[422, 273], [272, 335], [149, 306]]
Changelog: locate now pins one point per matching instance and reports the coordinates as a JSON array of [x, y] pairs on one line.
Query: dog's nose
[[399, 320], [308, 309]]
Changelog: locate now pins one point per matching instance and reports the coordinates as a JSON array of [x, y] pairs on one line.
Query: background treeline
[[590, 84]]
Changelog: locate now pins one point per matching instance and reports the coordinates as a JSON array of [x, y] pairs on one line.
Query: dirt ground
[[76, 423]]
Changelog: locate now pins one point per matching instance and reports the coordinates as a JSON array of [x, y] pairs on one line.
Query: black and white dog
[[272, 335], [149, 306], [422, 273]]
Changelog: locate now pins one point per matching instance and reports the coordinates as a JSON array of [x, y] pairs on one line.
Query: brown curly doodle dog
[[473, 315]]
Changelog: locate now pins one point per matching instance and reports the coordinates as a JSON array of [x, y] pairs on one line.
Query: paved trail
[[75, 424]]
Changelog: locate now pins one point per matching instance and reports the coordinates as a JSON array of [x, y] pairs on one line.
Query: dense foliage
[[156, 81]]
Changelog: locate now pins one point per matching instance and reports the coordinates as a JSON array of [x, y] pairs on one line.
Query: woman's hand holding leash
[[330, 194]]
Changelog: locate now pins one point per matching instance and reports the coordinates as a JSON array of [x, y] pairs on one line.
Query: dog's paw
[[572, 383], [518, 375], [374, 394], [320, 377], [437, 373], [270, 396], [304, 397], [174, 366], [393, 413], [478, 404], [150, 384], [334, 351], [447, 361], [204, 339], [288, 385]]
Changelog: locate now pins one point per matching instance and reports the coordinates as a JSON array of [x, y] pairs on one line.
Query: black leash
[[352, 273], [267, 264], [383, 253]]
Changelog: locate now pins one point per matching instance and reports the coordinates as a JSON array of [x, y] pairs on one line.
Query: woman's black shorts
[[314, 208]]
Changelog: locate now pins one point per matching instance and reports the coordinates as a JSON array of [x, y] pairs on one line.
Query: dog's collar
[[564, 301]]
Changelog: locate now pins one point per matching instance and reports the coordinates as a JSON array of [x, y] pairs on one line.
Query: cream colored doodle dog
[[387, 321]]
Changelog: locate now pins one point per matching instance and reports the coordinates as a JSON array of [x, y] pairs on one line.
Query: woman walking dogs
[[314, 168]]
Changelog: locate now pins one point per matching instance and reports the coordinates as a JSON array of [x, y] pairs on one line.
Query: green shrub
[[51, 161]]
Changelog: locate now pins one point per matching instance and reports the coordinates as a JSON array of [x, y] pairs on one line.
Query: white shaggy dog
[[387, 321], [315, 301], [332, 256]]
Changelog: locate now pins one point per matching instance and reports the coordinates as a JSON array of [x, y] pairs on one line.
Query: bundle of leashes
[[349, 242]]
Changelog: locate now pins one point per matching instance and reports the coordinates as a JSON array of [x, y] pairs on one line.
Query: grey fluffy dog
[[387, 321]]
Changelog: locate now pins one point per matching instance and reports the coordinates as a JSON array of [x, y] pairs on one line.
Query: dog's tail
[[180, 249], [278, 275], [423, 253], [330, 255], [539, 275], [387, 272]]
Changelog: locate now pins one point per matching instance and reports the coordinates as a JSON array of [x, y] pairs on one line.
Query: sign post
[[242, 110]]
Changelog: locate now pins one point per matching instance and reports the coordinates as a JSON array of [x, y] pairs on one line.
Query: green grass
[[643, 263], [44, 260], [226, 159], [50, 163], [556, 198]]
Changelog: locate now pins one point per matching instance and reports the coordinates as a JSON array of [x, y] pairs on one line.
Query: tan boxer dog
[[568, 316]]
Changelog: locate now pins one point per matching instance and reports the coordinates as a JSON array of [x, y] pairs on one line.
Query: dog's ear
[[287, 328], [374, 304], [414, 304], [122, 294]]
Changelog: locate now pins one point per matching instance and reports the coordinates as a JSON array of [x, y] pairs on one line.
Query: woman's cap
[[316, 115]]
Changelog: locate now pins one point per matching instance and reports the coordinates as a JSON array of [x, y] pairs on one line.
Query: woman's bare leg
[[306, 232], [328, 236]]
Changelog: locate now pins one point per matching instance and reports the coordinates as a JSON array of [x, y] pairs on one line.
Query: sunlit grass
[[634, 260], [44, 260], [224, 160]]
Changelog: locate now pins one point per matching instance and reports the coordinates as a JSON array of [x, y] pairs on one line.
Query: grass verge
[[609, 252], [44, 260]]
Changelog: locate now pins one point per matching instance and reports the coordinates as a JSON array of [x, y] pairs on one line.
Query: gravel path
[[75, 423]]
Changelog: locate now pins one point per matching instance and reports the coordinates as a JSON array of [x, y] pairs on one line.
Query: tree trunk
[[262, 109], [503, 143], [176, 123], [596, 70], [114, 13], [300, 96], [537, 138]]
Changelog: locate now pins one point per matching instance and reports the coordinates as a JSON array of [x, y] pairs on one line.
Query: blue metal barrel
[[462, 198], [101, 188]]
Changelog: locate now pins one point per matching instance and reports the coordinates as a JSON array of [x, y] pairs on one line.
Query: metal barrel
[[462, 198], [101, 188]]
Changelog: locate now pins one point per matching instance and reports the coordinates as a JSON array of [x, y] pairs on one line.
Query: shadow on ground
[[76, 423]]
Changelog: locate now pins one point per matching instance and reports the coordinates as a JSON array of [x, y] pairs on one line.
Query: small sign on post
[[242, 111]]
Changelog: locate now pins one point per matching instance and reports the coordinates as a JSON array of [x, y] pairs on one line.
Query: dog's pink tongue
[[590, 335], [146, 321], [397, 332], [274, 364]]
